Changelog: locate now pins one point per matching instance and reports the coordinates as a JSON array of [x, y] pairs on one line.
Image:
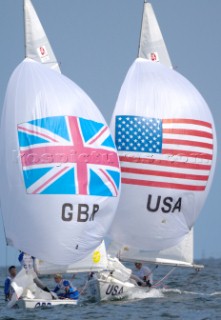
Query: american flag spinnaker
[[166, 140]]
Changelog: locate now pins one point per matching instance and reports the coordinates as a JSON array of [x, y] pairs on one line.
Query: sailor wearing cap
[[64, 288]]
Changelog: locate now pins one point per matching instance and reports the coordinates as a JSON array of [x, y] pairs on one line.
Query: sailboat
[[166, 140], [60, 166]]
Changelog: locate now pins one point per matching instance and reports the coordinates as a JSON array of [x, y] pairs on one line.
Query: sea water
[[186, 294]]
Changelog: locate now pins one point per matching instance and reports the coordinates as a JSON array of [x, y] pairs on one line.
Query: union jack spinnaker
[[60, 175]]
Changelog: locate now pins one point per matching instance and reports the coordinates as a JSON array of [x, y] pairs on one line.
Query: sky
[[96, 41]]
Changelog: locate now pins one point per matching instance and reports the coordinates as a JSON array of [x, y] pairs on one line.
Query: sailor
[[8, 290], [64, 288], [28, 263], [143, 275]]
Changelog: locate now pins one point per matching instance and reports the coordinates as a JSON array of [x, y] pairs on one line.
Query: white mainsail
[[58, 164], [166, 140], [95, 261], [152, 45], [37, 46], [179, 255]]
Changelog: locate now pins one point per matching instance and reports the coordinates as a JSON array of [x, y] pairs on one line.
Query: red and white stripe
[[185, 161]]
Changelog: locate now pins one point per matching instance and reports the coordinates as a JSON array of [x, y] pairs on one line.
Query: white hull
[[36, 303], [111, 289]]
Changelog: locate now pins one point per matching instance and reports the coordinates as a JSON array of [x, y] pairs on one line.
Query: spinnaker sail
[[58, 164]]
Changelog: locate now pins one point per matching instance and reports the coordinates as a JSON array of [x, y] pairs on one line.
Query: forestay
[[59, 168], [165, 136]]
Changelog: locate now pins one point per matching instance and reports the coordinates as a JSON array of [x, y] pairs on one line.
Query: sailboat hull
[[42, 303], [109, 288]]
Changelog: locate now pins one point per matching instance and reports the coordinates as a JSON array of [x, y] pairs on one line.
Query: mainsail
[[95, 261], [152, 45], [166, 140], [37, 46], [180, 255]]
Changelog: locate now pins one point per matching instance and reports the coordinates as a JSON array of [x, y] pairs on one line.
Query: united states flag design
[[68, 155], [164, 153]]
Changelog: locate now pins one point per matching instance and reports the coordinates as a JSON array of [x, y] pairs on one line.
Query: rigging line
[[193, 277], [165, 277], [6, 244], [6, 260], [152, 270]]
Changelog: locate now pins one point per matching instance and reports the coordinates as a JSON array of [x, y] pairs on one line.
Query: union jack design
[[68, 155]]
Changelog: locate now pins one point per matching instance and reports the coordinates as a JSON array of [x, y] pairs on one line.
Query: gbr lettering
[[43, 304], [82, 212]]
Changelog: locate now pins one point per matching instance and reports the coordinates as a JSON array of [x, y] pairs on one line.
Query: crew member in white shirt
[[143, 275]]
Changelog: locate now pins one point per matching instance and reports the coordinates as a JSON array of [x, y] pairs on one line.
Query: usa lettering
[[80, 213], [166, 205], [114, 290]]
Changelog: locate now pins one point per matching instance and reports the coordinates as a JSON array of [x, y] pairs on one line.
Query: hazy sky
[[96, 41]]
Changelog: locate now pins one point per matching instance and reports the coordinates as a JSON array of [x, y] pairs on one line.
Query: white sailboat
[[60, 166], [33, 297], [166, 140]]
